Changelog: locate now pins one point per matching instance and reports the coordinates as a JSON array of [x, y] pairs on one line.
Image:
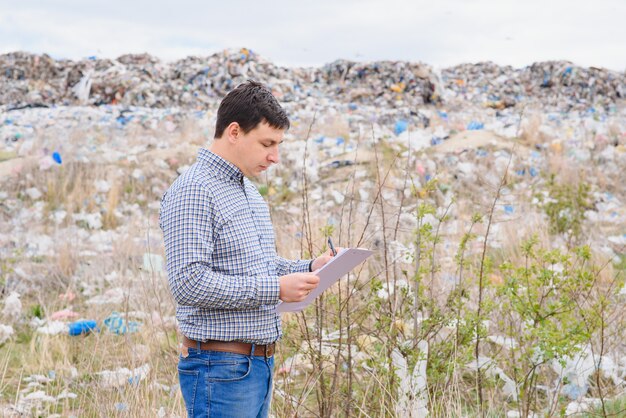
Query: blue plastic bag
[[82, 327], [57, 157], [401, 126], [120, 326]]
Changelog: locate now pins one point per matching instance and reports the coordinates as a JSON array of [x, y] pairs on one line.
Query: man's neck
[[218, 149]]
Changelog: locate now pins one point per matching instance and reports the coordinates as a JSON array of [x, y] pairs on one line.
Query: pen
[[332, 247]]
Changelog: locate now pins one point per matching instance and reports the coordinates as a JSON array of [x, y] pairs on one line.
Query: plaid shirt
[[222, 265]]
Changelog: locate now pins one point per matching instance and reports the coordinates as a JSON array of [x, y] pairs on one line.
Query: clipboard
[[335, 269]]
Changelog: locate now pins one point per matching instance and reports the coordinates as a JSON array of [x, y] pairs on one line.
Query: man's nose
[[273, 156]]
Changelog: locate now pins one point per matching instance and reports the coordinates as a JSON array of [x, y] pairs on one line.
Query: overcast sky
[[312, 33]]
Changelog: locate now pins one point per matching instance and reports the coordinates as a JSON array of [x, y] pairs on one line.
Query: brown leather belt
[[231, 347]]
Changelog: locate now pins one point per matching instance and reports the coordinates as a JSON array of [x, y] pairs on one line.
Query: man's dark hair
[[249, 104]]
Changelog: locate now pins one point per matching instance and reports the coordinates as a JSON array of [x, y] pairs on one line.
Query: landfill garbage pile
[[559, 84], [30, 80], [379, 83]]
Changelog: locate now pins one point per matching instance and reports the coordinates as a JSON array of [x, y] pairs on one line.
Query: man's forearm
[[196, 285]]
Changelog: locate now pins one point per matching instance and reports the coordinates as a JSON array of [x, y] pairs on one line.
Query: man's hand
[[295, 287], [319, 262]]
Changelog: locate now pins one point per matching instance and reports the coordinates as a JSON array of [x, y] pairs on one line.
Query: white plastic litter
[[413, 390], [12, 306], [83, 87], [153, 263], [65, 394], [490, 368], [102, 186], [506, 342], [113, 296], [39, 396], [33, 193], [92, 220], [123, 376], [576, 371], [6, 331], [583, 405], [53, 328]]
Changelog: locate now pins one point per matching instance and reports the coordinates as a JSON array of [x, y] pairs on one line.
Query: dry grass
[[110, 220], [77, 362], [67, 259]]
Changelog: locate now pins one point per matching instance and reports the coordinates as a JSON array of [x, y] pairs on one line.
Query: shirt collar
[[219, 166]]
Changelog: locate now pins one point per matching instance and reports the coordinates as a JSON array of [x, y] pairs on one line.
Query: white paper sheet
[[335, 269]]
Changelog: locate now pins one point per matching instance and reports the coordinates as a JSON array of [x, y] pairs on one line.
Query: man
[[222, 266]]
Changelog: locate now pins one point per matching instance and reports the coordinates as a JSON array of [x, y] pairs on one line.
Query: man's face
[[258, 149]]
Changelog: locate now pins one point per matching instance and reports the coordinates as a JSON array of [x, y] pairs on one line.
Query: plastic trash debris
[[118, 325], [102, 186], [58, 216], [341, 163], [400, 126], [138, 174], [143, 80], [337, 196], [40, 396], [12, 306], [38, 378], [114, 296], [153, 262], [139, 374], [574, 391], [435, 140], [506, 342], [40, 245], [64, 314], [67, 296], [577, 371], [583, 405], [413, 387], [53, 328], [57, 157], [83, 87], [46, 162], [489, 367], [6, 331], [33, 193], [91, 220], [83, 327], [123, 376], [65, 394], [475, 126]]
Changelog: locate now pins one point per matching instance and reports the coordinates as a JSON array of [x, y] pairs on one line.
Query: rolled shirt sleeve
[[284, 266]]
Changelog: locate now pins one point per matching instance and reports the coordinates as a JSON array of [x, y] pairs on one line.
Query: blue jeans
[[218, 384]]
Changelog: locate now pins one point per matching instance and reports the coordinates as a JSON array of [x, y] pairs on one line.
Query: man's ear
[[233, 132]]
